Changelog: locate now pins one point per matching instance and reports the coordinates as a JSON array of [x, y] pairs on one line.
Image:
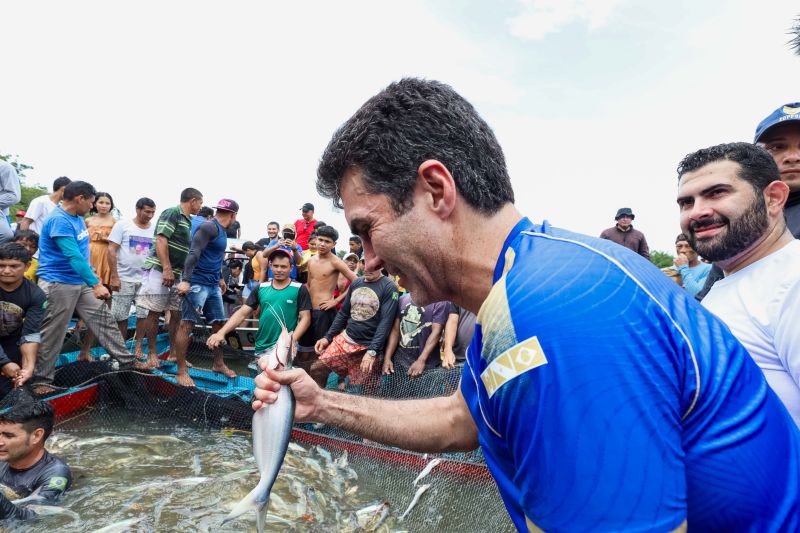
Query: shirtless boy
[[323, 274]]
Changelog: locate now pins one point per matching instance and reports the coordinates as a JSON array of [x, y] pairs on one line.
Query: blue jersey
[[606, 398], [53, 265]]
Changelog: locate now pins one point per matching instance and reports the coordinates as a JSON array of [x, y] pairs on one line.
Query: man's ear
[[436, 188], [775, 196]]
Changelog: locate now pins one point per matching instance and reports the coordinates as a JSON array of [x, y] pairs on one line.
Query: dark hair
[[313, 235], [14, 251], [143, 202], [99, 195], [355, 238], [273, 223], [189, 194], [758, 168], [318, 224], [63, 181], [205, 211], [681, 237], [407, 123], [26, 235], [78, 188], [234, 263], [32, 415], [329, 232]]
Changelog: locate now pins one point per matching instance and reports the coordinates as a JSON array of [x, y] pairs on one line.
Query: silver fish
[[371, 517], [417, 496], [118, 527], [46, 510], [427, 470], [272, 428]]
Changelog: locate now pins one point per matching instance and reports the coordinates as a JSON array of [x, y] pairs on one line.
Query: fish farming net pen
[[147, 454]]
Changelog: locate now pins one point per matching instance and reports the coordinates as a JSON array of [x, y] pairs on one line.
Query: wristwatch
[[372, 353]]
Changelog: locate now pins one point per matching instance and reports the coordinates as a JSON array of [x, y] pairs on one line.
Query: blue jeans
[[205, 301]]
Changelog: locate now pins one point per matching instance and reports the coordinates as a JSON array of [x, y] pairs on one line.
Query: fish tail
[[252, 502], [261, 516]]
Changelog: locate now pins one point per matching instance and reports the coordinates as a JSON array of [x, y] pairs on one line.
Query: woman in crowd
[[99, 223]]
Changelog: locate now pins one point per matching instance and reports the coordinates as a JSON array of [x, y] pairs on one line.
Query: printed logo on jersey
[[791, 110], [364, 304], [494, 317], [524, 356], [58, 483]]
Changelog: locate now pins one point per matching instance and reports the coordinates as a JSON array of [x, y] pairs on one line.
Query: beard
[[738, 235]]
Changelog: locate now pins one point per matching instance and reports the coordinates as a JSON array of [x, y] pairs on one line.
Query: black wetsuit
[[49, 474]]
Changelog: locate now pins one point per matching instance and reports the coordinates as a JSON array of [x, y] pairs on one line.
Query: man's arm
[[303, 322], [162, 252], [391, 347], [431, 343], [25, 223], [434, 425], [342, 267], [69, 247], [232, 323], [10, 511], [644, 250], [113, 250], [450, 333]]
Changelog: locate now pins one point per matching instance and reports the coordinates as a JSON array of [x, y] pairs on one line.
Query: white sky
[[594, 101]]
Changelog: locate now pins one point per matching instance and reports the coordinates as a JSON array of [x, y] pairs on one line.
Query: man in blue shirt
[[67, 279], [602, 395], [693, 271], [202, 287]]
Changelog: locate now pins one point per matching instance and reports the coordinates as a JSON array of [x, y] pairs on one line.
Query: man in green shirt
[[165, 263], [287, 299]]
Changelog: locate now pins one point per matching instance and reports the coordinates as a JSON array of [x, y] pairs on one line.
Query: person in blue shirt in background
[[693, 271], [604, 398]]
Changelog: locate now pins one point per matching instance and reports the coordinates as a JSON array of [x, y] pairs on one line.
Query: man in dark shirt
[[25, 465], [21, 312], [359, 331], [201, 286], [417, 331], [624, 234]]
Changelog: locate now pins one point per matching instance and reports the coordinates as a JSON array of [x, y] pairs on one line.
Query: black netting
[[156, 456]]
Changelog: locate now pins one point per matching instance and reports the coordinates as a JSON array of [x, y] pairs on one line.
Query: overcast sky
[[594, 101]]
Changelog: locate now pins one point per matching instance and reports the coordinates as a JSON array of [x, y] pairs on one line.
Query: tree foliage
[[794, 43], [661, 259], [28, 193]]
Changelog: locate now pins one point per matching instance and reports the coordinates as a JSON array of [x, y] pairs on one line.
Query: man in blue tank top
[[202, 286], [602, 395]]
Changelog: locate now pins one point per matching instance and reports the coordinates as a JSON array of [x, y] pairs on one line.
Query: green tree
[[661, 259], [27, 193]]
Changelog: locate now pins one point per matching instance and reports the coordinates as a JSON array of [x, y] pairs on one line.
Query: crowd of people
[[568, 335]]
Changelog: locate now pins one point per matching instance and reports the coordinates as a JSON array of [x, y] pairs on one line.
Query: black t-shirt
[[21, 314], [367, 312], [50, 475], [233, 230]]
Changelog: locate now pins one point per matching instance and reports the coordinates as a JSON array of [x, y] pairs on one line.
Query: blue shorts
[[203, 301]]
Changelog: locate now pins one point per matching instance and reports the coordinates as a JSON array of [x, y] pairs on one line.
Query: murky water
[[131, 470]]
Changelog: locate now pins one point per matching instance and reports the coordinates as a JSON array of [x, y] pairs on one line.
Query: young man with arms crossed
[[323, 275], [279, 296], [129, 245], [22, 306]]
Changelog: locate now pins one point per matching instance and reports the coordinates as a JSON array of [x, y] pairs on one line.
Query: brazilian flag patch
[[57, 483]]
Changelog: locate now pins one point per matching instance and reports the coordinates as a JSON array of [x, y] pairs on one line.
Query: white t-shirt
[[761, 306], [134, 247], [38, 211]]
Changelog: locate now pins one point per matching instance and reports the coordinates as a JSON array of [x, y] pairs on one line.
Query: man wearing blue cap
[[779, 133]]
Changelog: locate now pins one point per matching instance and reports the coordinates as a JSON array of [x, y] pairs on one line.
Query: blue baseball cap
[[782, 114]]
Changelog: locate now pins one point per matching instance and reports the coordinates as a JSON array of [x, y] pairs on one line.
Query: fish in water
[[427, 470], [118, 527], [371, 517], [47, 510], [272, 428], [417, 496]]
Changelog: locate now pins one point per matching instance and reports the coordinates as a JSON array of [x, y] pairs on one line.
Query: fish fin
[[249, 502], [261, 516]]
